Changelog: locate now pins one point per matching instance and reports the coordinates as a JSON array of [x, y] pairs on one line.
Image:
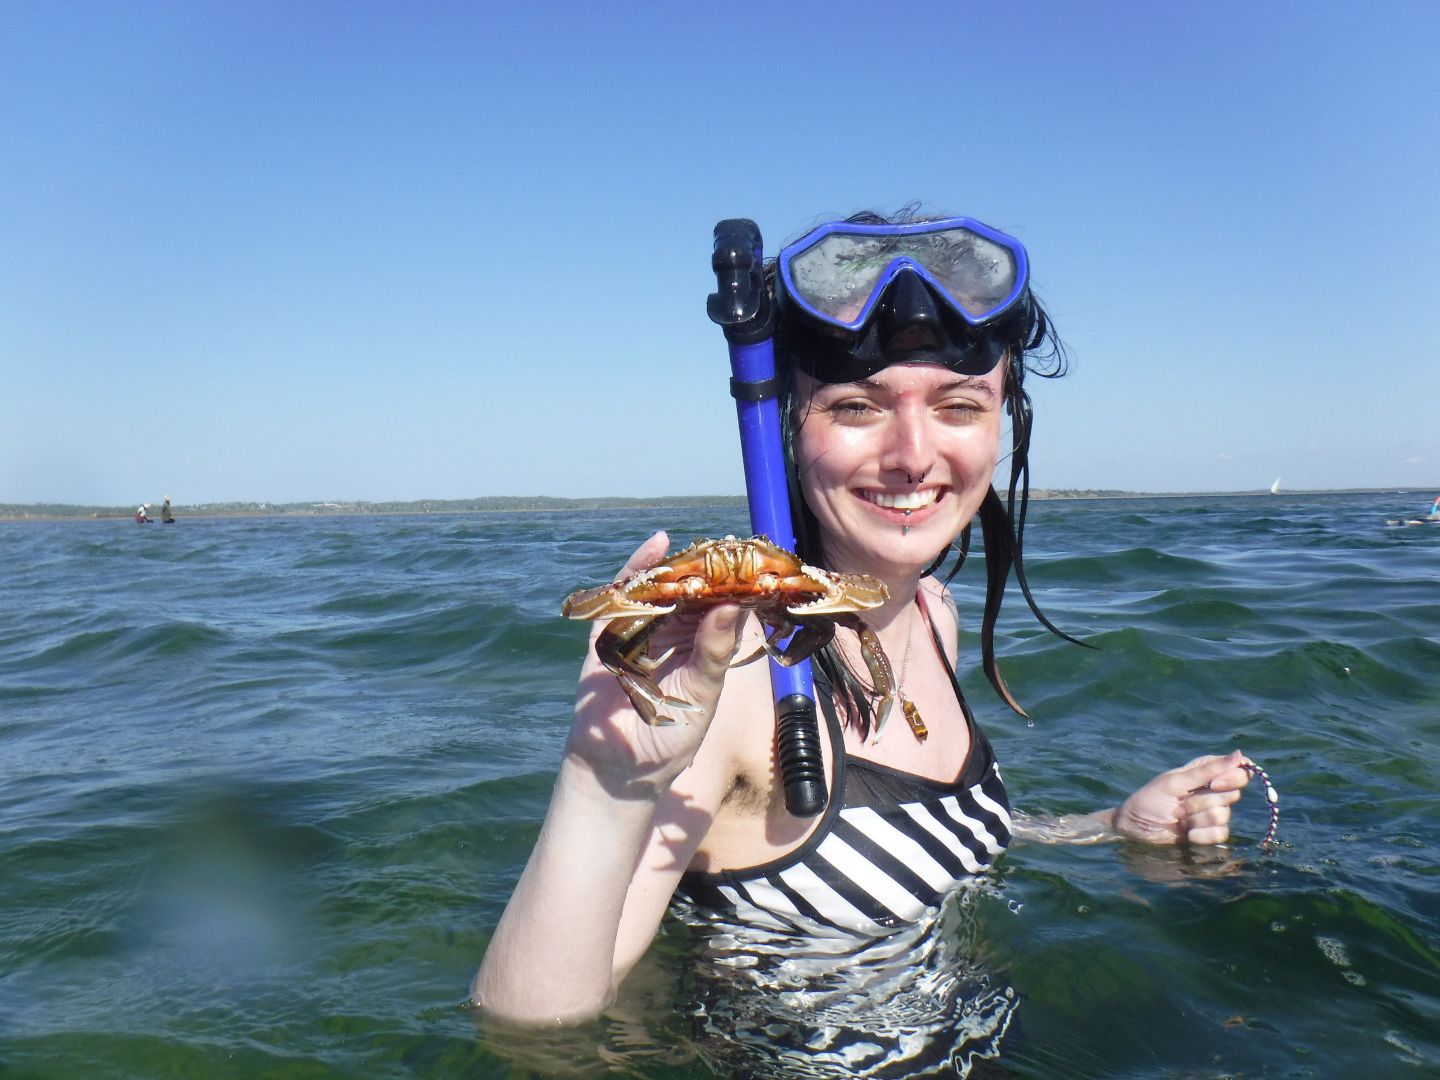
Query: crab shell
[[785, 593]]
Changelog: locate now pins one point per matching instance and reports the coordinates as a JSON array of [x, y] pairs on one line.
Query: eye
[[962, 410], [853, 408]]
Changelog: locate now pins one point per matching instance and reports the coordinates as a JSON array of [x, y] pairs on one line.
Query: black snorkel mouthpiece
[[741, 303]]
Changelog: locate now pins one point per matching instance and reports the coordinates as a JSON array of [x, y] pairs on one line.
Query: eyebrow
[[960, 382]]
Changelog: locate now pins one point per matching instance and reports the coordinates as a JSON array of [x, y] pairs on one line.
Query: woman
[[904, 346]]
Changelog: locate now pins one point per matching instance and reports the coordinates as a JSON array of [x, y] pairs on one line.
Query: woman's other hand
[[1190, 804]]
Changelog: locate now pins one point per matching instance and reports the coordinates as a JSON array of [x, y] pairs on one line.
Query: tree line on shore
[[488, 503], [493, 503]]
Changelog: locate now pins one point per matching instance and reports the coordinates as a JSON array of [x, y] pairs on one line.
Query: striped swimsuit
[[891, 847], [841, 958]]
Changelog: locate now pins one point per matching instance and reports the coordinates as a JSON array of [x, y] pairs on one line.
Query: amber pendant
[[912, 717]]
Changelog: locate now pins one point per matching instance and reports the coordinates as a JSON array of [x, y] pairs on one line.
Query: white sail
[[1275, 487]]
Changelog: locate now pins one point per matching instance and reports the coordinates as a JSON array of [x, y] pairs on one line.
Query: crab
[[754, 573]]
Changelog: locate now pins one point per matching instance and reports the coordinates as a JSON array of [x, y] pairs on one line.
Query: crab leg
[[621, 648], [882, 676], [809, 639], [769, 645]]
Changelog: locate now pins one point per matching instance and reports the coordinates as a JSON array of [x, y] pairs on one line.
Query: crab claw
[[607, 602], [859, 592]]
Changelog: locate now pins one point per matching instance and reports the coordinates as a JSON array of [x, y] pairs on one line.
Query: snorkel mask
[[854, 298]]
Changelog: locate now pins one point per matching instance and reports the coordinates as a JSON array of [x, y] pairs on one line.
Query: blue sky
[[289, 251]]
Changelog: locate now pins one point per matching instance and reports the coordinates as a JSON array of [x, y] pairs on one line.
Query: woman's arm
[[1190, 804], [553, 956]]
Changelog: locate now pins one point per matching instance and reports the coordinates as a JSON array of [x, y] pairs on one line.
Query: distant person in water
[[141, 517], [1434, 514], [165, 514]]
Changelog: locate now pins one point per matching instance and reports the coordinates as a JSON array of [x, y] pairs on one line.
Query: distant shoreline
[[547, 504]]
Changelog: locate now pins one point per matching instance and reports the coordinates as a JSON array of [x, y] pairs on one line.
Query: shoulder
[[937, 595], [943, 612]]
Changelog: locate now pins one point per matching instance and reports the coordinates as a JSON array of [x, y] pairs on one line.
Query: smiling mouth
[[906, 500]]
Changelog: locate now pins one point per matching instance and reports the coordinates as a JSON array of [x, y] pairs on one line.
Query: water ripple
[[268, 784]]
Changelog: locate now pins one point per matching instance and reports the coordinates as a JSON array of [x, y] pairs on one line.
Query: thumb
[[716, 639], [646, 555]]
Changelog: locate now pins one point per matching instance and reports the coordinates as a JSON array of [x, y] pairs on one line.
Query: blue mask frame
[[950, 258]]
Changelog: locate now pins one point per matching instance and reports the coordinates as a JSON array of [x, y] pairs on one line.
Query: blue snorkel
[[744, 309]]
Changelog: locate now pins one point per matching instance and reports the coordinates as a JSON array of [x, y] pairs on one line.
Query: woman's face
[[913, 446]]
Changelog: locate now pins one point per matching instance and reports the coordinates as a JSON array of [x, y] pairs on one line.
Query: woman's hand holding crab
[[628, 755]]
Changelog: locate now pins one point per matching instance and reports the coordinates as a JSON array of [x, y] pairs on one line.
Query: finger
[[716, 640], [1215, 772], [701, 666], [1215, 813], [646, 555], [1203, 800], [1208, 835], [1232, 774]]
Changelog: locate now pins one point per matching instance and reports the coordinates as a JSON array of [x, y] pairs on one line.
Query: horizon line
[[482, 503]]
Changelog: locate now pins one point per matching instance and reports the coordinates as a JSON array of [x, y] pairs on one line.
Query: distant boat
[[1275, 487]]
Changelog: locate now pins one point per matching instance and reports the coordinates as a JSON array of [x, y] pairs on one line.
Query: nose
[[908, 319], [908, 447]]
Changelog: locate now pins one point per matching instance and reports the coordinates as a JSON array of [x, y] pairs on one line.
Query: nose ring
[[916, 479]]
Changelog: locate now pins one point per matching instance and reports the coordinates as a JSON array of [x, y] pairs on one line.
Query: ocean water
[[266, 784]]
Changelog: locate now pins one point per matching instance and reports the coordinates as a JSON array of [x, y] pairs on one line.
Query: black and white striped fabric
[[892, 847], [853, 955]]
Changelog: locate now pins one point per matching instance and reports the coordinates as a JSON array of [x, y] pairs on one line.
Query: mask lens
[[976, 273], [840, 276], [837, 276]]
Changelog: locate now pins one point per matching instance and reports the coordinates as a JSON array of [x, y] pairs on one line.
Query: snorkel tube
[[743, 308]]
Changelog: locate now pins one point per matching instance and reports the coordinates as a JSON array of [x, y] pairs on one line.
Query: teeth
[[910, 500]]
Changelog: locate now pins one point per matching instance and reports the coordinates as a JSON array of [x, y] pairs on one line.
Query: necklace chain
[[905, 662]]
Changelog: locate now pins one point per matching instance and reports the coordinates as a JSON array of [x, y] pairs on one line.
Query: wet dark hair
[[1030, 344]]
